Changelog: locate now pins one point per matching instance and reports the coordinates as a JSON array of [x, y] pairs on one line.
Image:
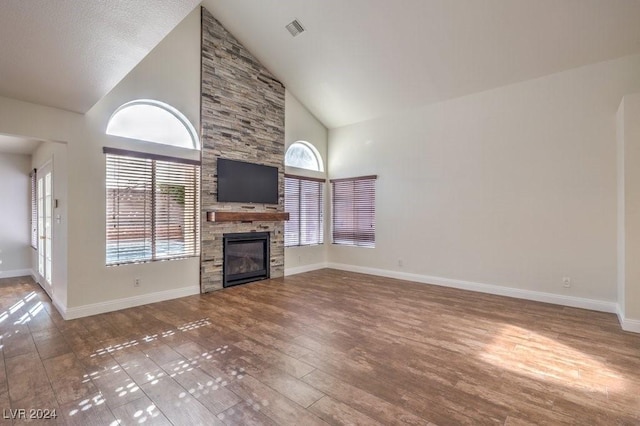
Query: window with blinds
[[34, 210], [354, 211], [304, 201], [152, 207]]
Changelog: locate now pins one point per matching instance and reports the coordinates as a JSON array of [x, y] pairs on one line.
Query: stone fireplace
[[242, 118]]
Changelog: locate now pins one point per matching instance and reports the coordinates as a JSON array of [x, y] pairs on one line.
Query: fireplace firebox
[[246, 258]]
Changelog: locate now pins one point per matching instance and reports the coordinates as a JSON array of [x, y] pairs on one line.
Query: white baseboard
[[16, 273], [60, 306], [628, 324], [620, 314], [556, 299], [304, 268], [127, 302]]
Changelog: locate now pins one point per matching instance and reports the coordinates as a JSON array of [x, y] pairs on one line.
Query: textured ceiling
[[360, 59], [357, 60], [16, 145], [70, 53]]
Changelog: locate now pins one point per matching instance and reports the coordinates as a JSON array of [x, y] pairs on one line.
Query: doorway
[[45, 226]]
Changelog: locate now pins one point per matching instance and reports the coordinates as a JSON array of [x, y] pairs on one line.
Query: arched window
[[153, 121], [304, 156]]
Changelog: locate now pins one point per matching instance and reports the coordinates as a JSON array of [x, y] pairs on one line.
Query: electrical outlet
[[566, 282], [400, 263], [136, 282]]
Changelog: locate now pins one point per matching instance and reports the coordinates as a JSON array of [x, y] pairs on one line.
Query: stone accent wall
[[242, 118]]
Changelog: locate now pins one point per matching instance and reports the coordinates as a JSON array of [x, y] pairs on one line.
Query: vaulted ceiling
[[357, 59], [70, 53]]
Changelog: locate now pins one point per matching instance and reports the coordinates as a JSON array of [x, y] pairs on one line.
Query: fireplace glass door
[[246, 257]]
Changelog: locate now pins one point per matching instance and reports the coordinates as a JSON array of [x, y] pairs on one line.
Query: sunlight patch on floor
[[141, 416], [150, 338], [86, 404], [17, 309], [539, 357]]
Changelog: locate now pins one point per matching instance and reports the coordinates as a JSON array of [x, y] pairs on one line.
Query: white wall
[[621, 254], [170, 73], [301, 125], [514, 187], [15, 215], [45, 123], [629, 212]]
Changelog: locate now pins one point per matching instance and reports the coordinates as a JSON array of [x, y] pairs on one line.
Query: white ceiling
[[17, 145], [70, 53], [357, 60], [360, 59]]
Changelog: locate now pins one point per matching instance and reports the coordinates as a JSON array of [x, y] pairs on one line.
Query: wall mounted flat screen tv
[[242, 182]]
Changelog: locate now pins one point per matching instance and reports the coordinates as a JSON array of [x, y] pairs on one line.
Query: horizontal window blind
[[176, 210], [129, 209], [354, 211], [34, 210], [304, 201], [152, 209], [292, 206]]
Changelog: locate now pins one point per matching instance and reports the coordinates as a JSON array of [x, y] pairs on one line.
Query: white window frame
[[304, 213], [308, 148], [353, 215], [115, 127], [151, 210]]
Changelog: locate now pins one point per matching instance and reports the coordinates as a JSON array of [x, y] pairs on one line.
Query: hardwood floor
[[322, 347]]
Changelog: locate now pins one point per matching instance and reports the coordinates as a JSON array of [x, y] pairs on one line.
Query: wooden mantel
[[247, 216]]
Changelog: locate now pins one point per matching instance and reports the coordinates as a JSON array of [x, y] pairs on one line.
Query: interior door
[[45, 228]]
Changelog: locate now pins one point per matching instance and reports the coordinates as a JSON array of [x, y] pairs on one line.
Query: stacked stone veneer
[[242, 118]]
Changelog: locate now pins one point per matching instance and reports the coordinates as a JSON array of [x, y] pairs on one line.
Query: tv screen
[[242, 182]]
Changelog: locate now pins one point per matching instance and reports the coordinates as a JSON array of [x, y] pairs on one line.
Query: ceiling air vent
[[294, 27]]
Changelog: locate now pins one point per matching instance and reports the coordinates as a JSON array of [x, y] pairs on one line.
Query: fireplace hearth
[[246, 258]]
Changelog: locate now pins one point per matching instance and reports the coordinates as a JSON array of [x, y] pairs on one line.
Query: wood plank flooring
[[325, 347]]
